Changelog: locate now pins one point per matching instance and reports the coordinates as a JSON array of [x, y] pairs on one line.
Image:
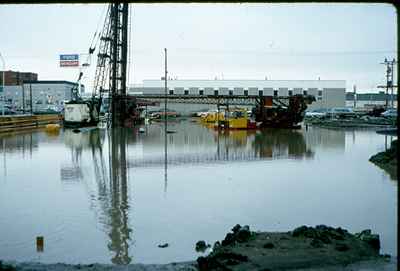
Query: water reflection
[[274, 143], [25, 143], [195, 144], [119, 229], [111, 178], [191, 144], [96, 168]]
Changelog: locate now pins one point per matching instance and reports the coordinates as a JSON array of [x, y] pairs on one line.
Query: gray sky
[[230, 41]]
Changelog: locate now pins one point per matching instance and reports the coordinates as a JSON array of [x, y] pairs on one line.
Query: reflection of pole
[[4, 151], [23, 98], [118, 212], [30, 94], [165, 123]]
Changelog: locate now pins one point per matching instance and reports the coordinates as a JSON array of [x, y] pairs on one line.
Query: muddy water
[[108, 196]]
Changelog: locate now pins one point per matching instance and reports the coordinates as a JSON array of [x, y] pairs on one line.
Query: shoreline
[[305, 248]]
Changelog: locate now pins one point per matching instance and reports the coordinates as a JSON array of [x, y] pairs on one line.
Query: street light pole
[[4, 70]]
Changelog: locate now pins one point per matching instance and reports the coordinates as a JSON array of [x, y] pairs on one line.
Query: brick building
[[15, 78]]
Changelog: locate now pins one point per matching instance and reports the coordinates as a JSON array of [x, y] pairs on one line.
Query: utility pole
[[389, 80], [3, 82], [165, 120]]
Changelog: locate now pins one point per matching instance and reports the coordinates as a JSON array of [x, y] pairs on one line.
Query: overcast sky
[[204, 41]]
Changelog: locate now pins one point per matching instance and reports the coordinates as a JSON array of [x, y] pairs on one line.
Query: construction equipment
[[110, 76], [282, 112]]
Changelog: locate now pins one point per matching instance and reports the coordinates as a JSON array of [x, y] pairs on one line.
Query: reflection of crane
[[113, 193], [112, 186], [118, 212]]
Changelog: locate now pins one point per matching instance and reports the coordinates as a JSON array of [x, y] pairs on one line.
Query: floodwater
[[109, 197]]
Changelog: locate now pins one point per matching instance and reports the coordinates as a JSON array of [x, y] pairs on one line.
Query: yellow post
[[39, 243]]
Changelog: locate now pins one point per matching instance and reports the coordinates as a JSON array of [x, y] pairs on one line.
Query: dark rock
[[243, 234], [363, 233], [236, 228], [201, 246], [341, 247], [299, 231], [240, 234], [268, 245], [202, 263], [231, 255], [316, 243], [305, 231], [216, 245], [369, 238], [229, 239], [163, 245], [322, 228], [219, 261], [341, 231], [324, 238], [373, 241], [335, 235], [6, 267], [232, 262]]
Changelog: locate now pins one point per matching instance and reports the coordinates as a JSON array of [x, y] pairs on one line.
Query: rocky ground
[[387, 160], [304, 248]]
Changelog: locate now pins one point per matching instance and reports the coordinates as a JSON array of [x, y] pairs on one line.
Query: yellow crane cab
[[234, 119]]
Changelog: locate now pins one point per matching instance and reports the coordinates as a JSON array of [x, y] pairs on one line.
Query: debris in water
[[163, 245], [39, 243]]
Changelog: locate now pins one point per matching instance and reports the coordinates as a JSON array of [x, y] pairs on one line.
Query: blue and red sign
[[69, 60]]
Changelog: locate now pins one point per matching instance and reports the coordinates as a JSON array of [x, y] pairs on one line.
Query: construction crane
[[111, 72]]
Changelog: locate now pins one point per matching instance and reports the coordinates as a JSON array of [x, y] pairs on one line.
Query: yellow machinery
[[234, 119], [212, 117]]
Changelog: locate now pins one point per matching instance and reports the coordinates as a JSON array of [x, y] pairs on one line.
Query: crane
[[110, 76]]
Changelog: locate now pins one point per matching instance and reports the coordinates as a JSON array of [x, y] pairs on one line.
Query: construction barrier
[[24, 122]]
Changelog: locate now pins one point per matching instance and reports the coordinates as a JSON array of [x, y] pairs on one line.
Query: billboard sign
[[69, 60]]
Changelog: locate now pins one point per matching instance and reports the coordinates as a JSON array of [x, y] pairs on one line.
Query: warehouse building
[[328, 93], [44, 93]]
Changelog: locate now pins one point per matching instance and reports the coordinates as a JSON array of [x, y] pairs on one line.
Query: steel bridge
[[250, 100]]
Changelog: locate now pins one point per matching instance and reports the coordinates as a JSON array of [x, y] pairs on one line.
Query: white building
[[44, 93], [328, 93]]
